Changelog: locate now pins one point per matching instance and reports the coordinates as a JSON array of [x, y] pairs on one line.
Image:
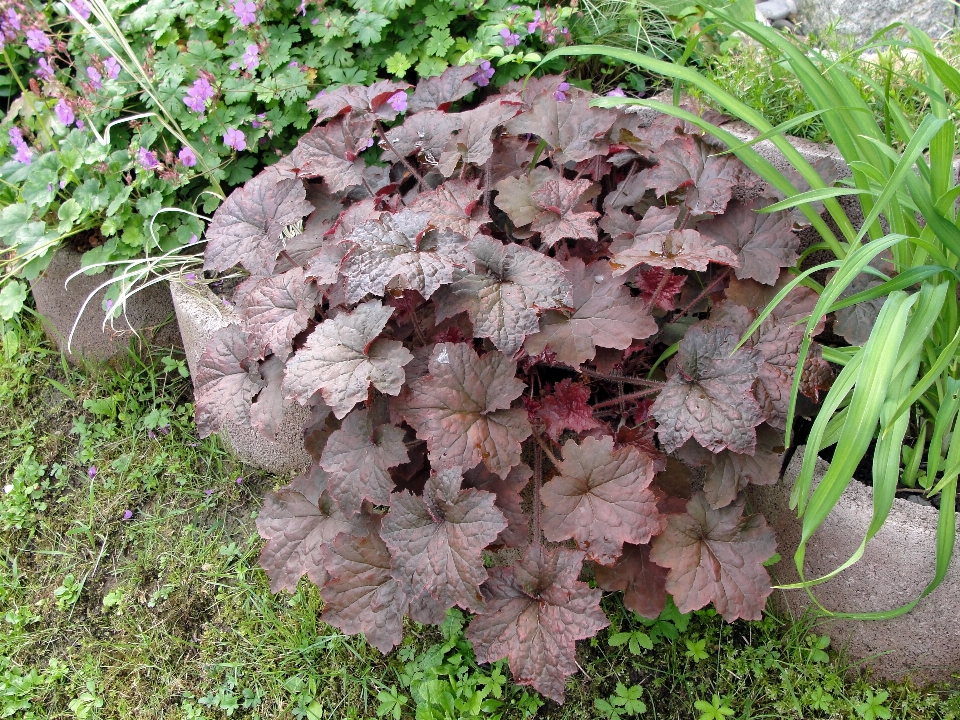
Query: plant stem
[[660, 286], [537, 477], [542, 445], [623, 398], [706, 291], [622, 379], [383, 136]]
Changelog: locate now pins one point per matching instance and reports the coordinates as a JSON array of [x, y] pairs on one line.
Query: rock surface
[[201, 314], [149, 312], [863, 19], [897, 565]]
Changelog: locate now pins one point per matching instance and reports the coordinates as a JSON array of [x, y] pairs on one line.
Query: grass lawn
[[129, 588]]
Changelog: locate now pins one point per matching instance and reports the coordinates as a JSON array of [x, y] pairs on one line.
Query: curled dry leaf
[[515, 194], [344, 356], [604, 313], [708, 393], [601, 499], [358, 458], [643, 581], [224, 385], [436, 540], [246, 229], [462, 409], [536, 611], [505, 296], [716, 556]]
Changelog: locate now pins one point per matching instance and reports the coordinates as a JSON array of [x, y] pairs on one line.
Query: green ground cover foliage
[[131, 591]]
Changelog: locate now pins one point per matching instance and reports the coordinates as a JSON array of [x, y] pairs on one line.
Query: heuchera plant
[[479, 319]]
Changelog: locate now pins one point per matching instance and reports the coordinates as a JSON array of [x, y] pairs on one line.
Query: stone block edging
[[898, 564], [200, 314]]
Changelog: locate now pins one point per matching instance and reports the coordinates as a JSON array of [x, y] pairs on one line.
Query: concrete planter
[[149, 312], [898, 564], [200, 314]]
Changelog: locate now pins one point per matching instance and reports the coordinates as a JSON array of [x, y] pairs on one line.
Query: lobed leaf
[[687, 163], [573, 129], [436, 540], [561, 213], [359, 99], [224, 385], [462, 409], [536, 611], [332, 152], [601, 499], [566, 408], [643, 581], [276, 310], [716, 556], [344, 356], [509, 500]]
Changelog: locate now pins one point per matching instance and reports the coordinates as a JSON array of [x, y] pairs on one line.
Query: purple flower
[[302, 10], [92, 472], [398, 101], [192, 240], [147, 159], [24, 154], [561, 93], [251, 58], [64, 113], [315, 21], [208, 493], [234, 66], [45, 71], [617, 92], [532, 26], [81, 8], [80, 124], [198, 94], [235, 139], [187, 157], [95, 77], [191, 278], [127, 514], [483, 74], [112, 67], [109, 304], [151, 435], [245, 11], [37, 41], [510, 39], [10, 20], [239, 480], [165, 430]]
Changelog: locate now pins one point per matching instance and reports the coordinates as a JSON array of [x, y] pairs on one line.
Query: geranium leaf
[[716, 556], [344, 356], [436, 540], [643, 582], [361, 594], [601, 499], [707, 395], [437, 93], [426, 133], [472, 144], [566, 409], [358, 458], [686, 162], [573, 129], [559, 218], [536, 611], [648, 281], [462, 409], [357, 98], [686, 249], [509, 501], [332, 151], [276, 310], [604, 313], [246, 229], [224, 385], [515, 194], [296, 521], [504, 298], [401, 252], [728, 472], [267, 411], [762, 242]]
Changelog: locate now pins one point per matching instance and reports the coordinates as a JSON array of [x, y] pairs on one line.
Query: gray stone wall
[[862, 18]]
